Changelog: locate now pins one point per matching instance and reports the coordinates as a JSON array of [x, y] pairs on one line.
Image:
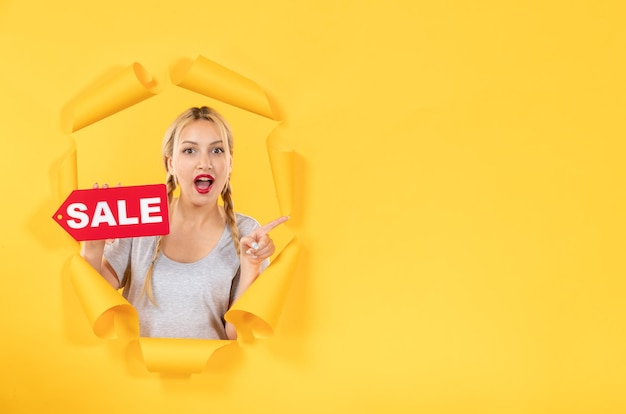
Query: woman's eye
[[217, 150], [187, 150]]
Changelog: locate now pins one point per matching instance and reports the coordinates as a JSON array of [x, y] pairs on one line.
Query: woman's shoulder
[[245, 223]]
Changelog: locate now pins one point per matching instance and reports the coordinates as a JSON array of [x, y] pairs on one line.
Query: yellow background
[[459, 201]]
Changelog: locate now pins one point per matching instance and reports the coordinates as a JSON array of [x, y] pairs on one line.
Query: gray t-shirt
[[191, 298]]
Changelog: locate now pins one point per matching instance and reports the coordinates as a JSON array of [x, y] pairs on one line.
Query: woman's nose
[[205, 162]]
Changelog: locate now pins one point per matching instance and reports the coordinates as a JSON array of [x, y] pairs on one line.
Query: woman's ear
[[170, 165]]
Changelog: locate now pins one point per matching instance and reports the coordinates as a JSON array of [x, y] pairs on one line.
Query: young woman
[[183, 283]]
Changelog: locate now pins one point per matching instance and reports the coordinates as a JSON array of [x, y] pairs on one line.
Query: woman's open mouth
[[203, 183]]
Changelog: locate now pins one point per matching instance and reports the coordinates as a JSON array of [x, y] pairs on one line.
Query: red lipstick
[[203, 183]]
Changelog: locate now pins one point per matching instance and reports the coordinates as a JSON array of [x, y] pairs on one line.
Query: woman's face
[[200, 163]]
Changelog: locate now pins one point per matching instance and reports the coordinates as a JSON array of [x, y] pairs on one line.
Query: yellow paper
[[458, 199], [178, 356], [66, 174], [282, 160], [110, 315], [214, 80], [122, 89], [258, 310]]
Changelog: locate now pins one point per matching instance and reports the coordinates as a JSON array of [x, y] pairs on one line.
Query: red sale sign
[[112, 213]]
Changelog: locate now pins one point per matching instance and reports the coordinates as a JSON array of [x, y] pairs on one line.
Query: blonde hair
[[170, 142]]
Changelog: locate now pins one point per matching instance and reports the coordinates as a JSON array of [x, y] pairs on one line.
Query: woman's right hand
[[105, 185], [93, 252]]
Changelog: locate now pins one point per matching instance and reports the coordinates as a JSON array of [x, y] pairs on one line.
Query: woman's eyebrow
[[195, 143]]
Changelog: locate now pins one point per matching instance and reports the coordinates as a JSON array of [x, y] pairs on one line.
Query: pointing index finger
[[272, 224]]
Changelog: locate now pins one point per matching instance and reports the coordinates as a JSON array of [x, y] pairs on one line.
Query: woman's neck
[[196, 216]]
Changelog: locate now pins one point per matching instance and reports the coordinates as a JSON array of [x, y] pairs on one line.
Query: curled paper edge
[[108, 313], [281, 162], [258, 310], [178, 355], [215, 81], [121, 90]]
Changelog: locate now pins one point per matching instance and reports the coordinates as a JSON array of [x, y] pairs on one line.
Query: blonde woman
[[183, 283]]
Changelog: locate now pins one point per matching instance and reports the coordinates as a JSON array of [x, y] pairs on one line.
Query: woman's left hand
[[258, 245]]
